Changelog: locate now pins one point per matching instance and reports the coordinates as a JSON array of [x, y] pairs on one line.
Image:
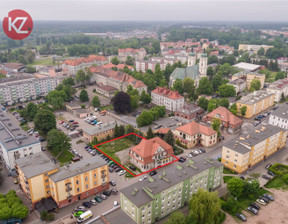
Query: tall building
[[138, 54], [279, 88], [14, 142], [163, 96], [253, 147], [152, 199], [279, 117]]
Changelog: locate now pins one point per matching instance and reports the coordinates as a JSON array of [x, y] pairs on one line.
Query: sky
[[150, 10]]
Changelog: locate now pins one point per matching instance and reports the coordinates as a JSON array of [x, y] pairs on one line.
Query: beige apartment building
[[253, 147], [255, 48], [248, 77]]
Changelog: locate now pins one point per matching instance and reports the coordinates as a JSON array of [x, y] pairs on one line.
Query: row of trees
[[147, 117], [212, 104]]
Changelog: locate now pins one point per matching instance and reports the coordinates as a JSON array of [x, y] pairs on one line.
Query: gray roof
[[114, 217], [181, 73], [77, 168], [173, 174], [76, 104], [34, 165], [190, 109], [242, 73], [279, 84], [81, 111], [11, 135], [92, 130], [238, 147], [247, 66], [255, 97], [281, 111], [237, 82]]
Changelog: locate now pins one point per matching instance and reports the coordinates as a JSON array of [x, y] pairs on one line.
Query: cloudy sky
[[135, 10]]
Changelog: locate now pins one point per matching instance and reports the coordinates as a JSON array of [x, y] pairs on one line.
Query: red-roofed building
[[138, 54], [163, 96], [193, 134], [119, 66], [74, 65], [151, 153], [228, 119]]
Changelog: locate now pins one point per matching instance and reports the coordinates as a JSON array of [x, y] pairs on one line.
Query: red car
[[75, 122], [61, 122]]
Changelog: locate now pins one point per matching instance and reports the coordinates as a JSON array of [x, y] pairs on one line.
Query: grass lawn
[[228, 171], [110, 107], [47, 61], [227, 178], [25, 127], [277, 183], [272, 77], [63, 157]]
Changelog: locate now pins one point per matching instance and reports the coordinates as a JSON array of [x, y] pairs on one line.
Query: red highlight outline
[[132, 133]]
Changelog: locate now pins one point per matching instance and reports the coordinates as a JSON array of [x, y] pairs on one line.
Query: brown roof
[[129, 50], [147, 148], [90, 58], [107, 88], [193, 128], [163, 91], [163, 130], [14, 65], [225, 115], [119, 66]]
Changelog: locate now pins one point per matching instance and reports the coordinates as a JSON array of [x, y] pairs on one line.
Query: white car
[[189, 155], [122, 172], [143, 178], [261, 201]]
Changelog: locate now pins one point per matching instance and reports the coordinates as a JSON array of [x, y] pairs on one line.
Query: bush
[[47, 216], [180, 144], [275, 168], [177, 150]]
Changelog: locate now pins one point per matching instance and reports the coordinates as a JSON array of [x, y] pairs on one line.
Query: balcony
[[68, 189]]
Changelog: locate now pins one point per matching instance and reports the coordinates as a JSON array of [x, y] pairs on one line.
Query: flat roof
[[77, 168], [279, 84], [92, 130], [247, 66], [255, 97], [36, 164], [113, 217], [81, 111], [175, 173], [281, 111]]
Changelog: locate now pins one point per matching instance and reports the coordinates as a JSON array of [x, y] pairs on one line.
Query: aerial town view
[[143, 112]]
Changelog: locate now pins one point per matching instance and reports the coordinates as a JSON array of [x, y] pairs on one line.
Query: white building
[[279, 87], [163, 96], [22, 88], [279, 117], [14, 142]]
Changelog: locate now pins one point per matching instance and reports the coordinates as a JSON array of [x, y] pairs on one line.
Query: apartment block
[[100, 131], [138, 54], [255, 102], [248, 77], [253, 147], [152, 199], [279, 117], [254, 48], [279, 88]]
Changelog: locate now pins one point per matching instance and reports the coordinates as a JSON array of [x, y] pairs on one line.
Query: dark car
[[241, 216], [53, 160], [72, 128], [254, 205], [112, 182], [152, 173], [80, 208], [242, 178], [269, 196], [71, 120], [271, 173], [87, 204], [115, 192], [252, 210], [117, 169], [264, 199], [98, 199], [107, 193], [43, 148], [133, 168], [181, 160], [203, 150], [111, 170], [268, 166], [257, 119], [266, 177]]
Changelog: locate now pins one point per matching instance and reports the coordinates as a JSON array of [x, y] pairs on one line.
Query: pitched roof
[[163, 130], [129, 50], [119, 66], [147, 148], [225, 115], [193, 128], [90, 58], [181, 73], [163, 91]]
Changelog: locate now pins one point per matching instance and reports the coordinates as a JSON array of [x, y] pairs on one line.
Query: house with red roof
[[228, 119], [195, 134], [163, 96], [119, 66], [151, 153]]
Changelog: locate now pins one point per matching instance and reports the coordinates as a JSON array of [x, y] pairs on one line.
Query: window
[[87, 186], [78, 189], [95, 175], [77, 181], [86, 178], [95, 182]]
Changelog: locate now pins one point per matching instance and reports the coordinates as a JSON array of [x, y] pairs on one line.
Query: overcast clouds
[[135, 10]]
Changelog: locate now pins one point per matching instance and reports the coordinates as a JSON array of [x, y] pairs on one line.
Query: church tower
[[191, 59], [203, 64]]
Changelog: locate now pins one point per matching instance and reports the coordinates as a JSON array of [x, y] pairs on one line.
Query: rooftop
[[247, 66], [81, 111], [89, 59], [167, 177], [14, 65], [92, 130], [107, 88], [191, 109], [279, 84], [281, 111], [77, 168], [181, 73], [163, 91], [193, 128], [255, 97], [225, 115], [36, 164], [245, 73]]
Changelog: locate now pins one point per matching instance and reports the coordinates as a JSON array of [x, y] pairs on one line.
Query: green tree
[[205, 87], [235, 186], [145, 118], [279, 75], [233, 109], [30, 69], [216, 124], [149, 133], [57, 98], [29, 112], [210, 72], [130, 60], [224, 102], [115, 61], [255, 85], [80, 77], [30, 56], [217, 81], [116, 131], [261, 51], [213, 104], [230, 205], [169, 138], [145, 98], [226, 90], [204, 207], [203, 102], [57, 141], [84, 96], [177, 85], [176, 217], [121, 103], [121, 130], [243, 111], [20, 211], [96, 101], [44, 121], [189, 87], [68, 81], [251, 186]]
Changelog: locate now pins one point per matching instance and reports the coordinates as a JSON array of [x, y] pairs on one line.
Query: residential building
[[119, 66], [72, 66], [50, 71], [14, 142], [117, 79], [228, 120], [138, 54], [100, 132], [279, 88], [161, 132], [151, 153], [195, 134], [13, 67], [22, 88], [105, 90], [248, 67], [143, 65], [152, 199], [248, 77], [76, 108], [193, 70], [255, 102], [163, 96], [190, 111], [34, 171], [239, 84], [279, 117], [254, 48], [252, 147]]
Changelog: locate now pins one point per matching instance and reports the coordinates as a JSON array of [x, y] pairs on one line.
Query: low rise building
[[255, 103], [13, 67], [190, 111], [253, 147], [279, 88], [76, 108], [253, 47], [151, 153], [152, 199], [163, 96], [105, 90], [100, 132], [195, 134], [228, 119], [14, 142], [248, 67], [279, 117], [248, 77], [138, 54], [238, 84]]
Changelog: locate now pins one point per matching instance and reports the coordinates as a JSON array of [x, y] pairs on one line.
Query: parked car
[[143, 178], [152, 173], [98, 199], [181, 160], [271, 173], [257, 123], [80, 208], [103, 196], [93, 202], [112, 182], [113, 191], [122, 172], [266, 177], [241, 216], [133, 168], [75, 122], [269, 196], [43, 148], [261, 202], [87, 204], [252, 210], [189, 155], [268, 166], [204, 150], [111, 170], [71, 120], [78, 213], [107, 193], [117, 169], [53, 160], [254, 205], [242, 178], [264, 199]]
